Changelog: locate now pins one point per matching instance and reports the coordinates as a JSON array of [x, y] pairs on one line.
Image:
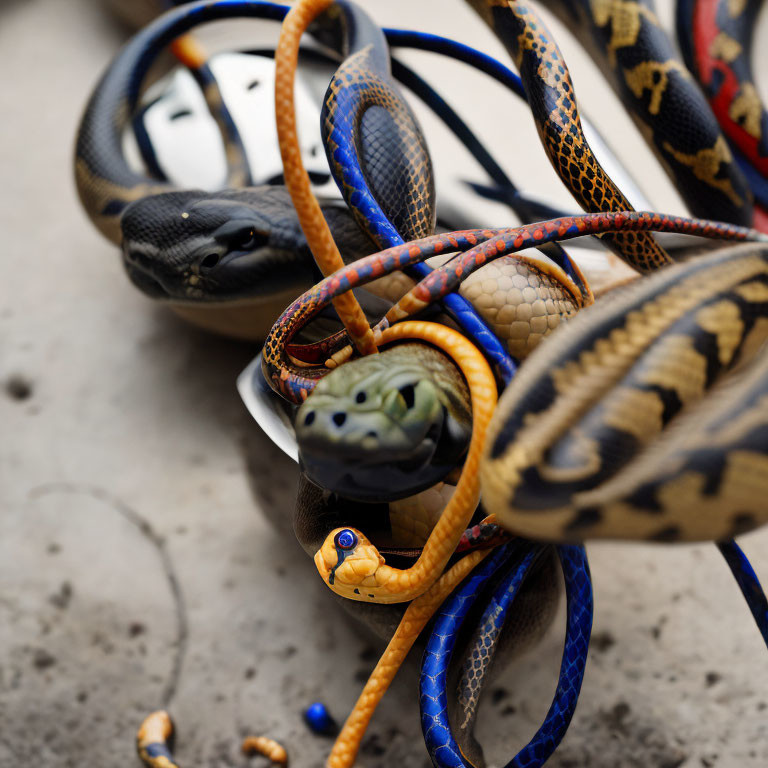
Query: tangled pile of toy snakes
[[462, 435]]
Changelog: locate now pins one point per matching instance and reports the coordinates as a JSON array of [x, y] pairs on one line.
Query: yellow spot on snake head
[[184, 215], [347, 560]]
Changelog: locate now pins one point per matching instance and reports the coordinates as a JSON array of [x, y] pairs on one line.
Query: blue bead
[[319, 719]]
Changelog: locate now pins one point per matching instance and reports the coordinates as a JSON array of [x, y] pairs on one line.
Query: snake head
[[347, 562], [385, 426], [200, 246]]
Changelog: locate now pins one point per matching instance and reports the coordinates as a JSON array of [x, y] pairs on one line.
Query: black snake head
[[201, 246], [385, 426]]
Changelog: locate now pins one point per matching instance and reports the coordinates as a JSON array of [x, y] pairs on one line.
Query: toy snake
[[389, 427], [716, 40]]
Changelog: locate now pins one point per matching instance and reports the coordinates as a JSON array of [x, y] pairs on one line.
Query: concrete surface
[[136, 569]]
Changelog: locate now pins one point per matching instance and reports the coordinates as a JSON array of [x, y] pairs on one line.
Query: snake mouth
[[145, 281], [240, 275], [387, 475], [257, 273]]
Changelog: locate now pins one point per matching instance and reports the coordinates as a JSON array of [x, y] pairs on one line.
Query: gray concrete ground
[[136, 568]]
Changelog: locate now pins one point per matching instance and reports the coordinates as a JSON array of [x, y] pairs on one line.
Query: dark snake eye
[[345, 539], [408, 393], [249, 240]]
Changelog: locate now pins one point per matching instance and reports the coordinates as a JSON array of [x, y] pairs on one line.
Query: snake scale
[[350, 540], [141, 217], [457, 747], [550, 93], [229, 260]]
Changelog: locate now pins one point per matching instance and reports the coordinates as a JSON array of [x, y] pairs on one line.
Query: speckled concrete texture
[[136, 567]]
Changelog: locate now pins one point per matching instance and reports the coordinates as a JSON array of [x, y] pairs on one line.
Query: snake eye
[[408, 393], [249, 239], [345, 539]]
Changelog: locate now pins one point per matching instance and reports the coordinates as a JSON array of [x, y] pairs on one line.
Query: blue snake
[[514, 562]]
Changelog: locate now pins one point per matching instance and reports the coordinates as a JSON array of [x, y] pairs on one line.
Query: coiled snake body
[[580, 444]]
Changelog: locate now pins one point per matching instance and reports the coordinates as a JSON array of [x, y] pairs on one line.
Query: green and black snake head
[[220, 246], [385, 426]]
